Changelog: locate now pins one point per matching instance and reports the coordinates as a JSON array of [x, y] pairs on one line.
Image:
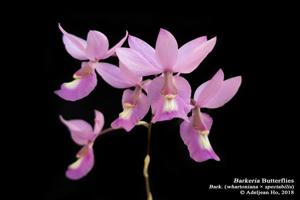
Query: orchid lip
[[76, 164], [73, 84], [129, 106]]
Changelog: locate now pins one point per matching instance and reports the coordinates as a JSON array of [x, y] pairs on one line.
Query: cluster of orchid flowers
[[168, 94]]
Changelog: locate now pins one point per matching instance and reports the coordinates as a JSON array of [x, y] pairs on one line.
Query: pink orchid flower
[[135, 103], [211, 94], [169, 95], [83, 134], [94, 49]]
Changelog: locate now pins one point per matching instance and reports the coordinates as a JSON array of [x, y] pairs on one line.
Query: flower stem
[[140, 123], [146, 164], [106, 130], [143, 123]]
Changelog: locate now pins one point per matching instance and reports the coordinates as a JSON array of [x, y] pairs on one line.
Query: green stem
[[140, 123], [106, 131], [146, 164]]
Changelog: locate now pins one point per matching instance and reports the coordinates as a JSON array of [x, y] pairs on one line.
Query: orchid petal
[[190, 46], [175, 108], [97, 45], [74, 45], [166, 49], [111, 51], [130, 117], [141, 109], [207, 120], [162, 112], [79, 88], [228, 89], [114, 76], [145, 85], [99, 122], [136, 62], [153, 92], [144, 49], [82, 166], [81, 131], [183, 88], [132, 77], [205, 92], [126, 124], [191, 55], [198, 145]]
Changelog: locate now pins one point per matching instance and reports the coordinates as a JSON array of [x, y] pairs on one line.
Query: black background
[[253, 134]]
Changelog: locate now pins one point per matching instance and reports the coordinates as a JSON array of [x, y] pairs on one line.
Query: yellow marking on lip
[[170, 103], [206, 132], [73, 84], [170, 96], [204, 141], [127, 112], [76, 164]]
